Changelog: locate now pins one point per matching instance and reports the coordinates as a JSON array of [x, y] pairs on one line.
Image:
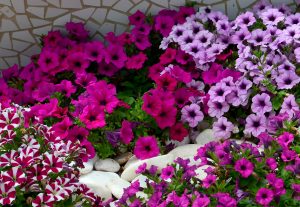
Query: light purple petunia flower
[[260, 37], [261, 6], [272, 16], [293, 19], [204, 37], [289, 105], [222, 128], [217, 109], [287, 80], [192, 115], [219, 92], [261, 103], [186, 38], [243, 86], [244, 20], [297, 54], [255, 125], [223, 27], [216, 16], [241, 35]]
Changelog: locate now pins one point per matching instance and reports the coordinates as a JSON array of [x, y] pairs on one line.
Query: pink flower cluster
[[37, 165]]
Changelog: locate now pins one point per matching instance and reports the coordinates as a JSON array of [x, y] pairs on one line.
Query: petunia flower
[[7, 193], [167, 172], [178, 132], [261, 103], [244, 167], [93, 117], [146, 147], [264, 196], [126, 134], [223, 128], [192, 114]]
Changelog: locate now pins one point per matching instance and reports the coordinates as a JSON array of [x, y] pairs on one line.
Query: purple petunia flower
[[255, 124], [243, 86], [223, 128], [285, 139], [192, 114], [219, 92], [272, 16], [244, 167], [259, 37], [287, 80], [217, 109], [261, 103], [209, 180], [293, 19], [297, 54], [241, 35], [167, 172], [264, 196], [289, 105], [244, 20], [204, 38]]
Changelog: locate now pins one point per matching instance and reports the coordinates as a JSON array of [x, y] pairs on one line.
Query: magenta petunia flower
[[77, 30], [77, 62], [167, 172], [78, 133], [271, 163], [178, 132], [213, 75], [209, 180], [261, 103], [85, 79], [223, 128], [136, 62], [126, 134], [151, 104], [107, 69], [141, 41], [146, 147], [164, 24], [244, 167], [255, 124], [115, 54], [288, 155], [264, 196], [168, 56], [93, 117], [166, 82], [94, 51], [166, 116], [137, 18], [192, 114], [285, 139], [48, 60], [201, 201], [61, 129]]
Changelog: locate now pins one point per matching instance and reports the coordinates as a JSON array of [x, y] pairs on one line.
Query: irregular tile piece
[[99, 15], [5, 41], [72, 4], [219, 7], [5, 2], [120, 29], [23, 35], [244, 4], [7, 25], [116, 16], [3, 64], [108, 2], [123, 5], [155, 9], [54, 12], [106, 27], [24, 60], [84, 13], [7, 53], [42, 30], [277, 2], [18, 6], [54, 2], [36, 3], [205, 136], [39, 22], [177, 2], [38, 11], [162, 3], [32, 50], [11, 60], [91, 27], [92, 2], [7, 11], [143, 7], [62, 20], [232, 7], [23, 21], [20, 45]]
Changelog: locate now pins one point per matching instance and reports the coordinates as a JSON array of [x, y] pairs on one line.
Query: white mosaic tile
[[7, 53], [20, 45], [99, 15], [5, 2], [24, 60], [276, 2], [39, 22], [120, 29], [54, 12], [7, 12], [32, 50], [106, 27], [23, 21], [155, 9], [108, 2], [161, 3], [8, 25], [6, 41], [42, 30], [143, 6], [71, 4], [92, 2], [117, 16], [84, 13], [18, 5], [3, 64], [123, 5], [244, 4], [37, 11], [177, 2], [62, 20], [11, 60], [54, 2], [233, 8], [36, 3], [23, 35], [92, 27], [219, 7]]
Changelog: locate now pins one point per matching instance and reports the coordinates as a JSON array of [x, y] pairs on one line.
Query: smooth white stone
[[98, 182], [205, 137], [185, 141], [159, 161], [185, 151], [123, 158], [88, 167], [108, 165], [117, 187], [131, 160]]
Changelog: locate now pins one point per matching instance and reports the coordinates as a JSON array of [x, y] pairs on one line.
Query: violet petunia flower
[[192, 115], [255, 124], [261, 103], [223, 128]]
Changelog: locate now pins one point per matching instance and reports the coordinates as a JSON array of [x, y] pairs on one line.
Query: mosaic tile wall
[[22, 22]]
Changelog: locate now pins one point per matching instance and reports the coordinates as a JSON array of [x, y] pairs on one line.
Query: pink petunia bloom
[[61, 129], [166, 116], [66, 87], [167, 172], [78, 133], [213, 74], [285, 139], [178, 132], [168, 56], [183, 13], [146, 147], [115, 54], [164, 24], [141, 41], [126, 132], [44, 91], [78, 62], [107, 69], [151, 104], [77, 31], [209, 180], [166, 82], [244, 167], [15, 175], [48, 60], [136, 62], [94, 51], [93, 117], [85, 79], [264, 196], [52, 163]]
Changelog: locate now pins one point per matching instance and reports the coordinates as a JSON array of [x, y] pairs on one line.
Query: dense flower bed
[[159, 82]]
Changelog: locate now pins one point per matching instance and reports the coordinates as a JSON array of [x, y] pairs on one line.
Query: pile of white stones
[[101, 175]]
